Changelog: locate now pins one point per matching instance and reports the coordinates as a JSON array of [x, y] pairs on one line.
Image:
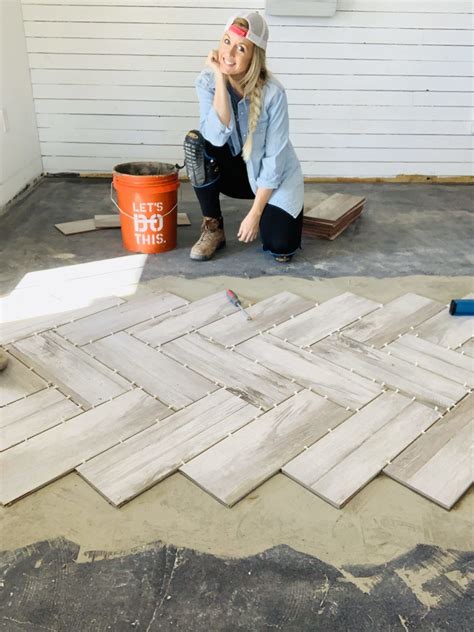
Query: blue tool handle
[[462, 307]]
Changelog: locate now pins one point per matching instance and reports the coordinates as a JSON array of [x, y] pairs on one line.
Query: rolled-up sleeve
[[277, 136], [210, 125]]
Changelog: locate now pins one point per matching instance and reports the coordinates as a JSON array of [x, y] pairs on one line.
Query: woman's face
[[235, 54]]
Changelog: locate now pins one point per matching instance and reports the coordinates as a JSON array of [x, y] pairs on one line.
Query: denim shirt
[[273, 163]]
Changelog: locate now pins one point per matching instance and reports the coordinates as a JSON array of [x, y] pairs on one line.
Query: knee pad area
[[201, 168]]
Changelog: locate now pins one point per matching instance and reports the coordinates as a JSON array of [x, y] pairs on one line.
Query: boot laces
[[208, 227]]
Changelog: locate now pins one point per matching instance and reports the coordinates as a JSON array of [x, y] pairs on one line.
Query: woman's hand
[[213, 61], [248, 230]]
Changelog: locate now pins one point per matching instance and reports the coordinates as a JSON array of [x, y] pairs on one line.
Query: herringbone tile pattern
[[331, 395]]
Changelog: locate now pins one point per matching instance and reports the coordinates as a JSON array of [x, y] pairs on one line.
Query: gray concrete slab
[[165, 587], [405, 229]]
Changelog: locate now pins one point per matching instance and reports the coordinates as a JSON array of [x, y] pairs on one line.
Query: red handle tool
[[234, 299]]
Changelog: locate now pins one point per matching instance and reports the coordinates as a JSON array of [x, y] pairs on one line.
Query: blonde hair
[[252, 84]]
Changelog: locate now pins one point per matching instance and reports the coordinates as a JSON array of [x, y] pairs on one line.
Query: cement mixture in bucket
[[145, 168]]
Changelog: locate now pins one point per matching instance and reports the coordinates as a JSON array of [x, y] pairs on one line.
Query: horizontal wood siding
[[383, 88]]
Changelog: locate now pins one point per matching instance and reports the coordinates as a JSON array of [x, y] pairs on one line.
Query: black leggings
[[280, 232]]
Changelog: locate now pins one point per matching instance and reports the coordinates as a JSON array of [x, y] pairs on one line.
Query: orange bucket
[[147, 198]]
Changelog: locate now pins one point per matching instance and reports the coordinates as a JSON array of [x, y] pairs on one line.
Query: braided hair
[[253, 84]]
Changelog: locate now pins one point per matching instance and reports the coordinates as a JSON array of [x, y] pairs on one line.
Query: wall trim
[[402, 179]]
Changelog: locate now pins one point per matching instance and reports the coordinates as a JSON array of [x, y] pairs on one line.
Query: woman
[[242, 148]]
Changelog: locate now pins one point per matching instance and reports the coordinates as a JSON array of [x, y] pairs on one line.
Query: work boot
[[212, 238], [3, 359]]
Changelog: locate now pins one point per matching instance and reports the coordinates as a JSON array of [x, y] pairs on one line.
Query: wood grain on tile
[[254, 383], [55, 452], [425, 386], [135, 465], [440, 360], [272, 311], [121, 317], [237, 465], [392, 319], [446, 330], [17, 329], [183, 320], [439, 464], [88, 382], [320, 321], [338, 384], [17, 381], [346, 459], [155, 372], [34, 414]]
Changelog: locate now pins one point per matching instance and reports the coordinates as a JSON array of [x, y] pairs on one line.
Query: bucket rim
[[171, 169]]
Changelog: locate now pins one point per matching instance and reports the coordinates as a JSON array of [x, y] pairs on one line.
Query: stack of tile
[[332, 216]]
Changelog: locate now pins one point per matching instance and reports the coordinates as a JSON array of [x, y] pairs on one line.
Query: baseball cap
[[258, 28]]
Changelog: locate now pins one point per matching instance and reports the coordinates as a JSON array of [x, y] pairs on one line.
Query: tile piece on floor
[[320, 321], [237, 465], [326, 379], [183, 320], [113, 221], [107, 221], [392, 319], [345, 460], [77, 226], [425, 386], [446, 330], [446, 362], [137, 464], [183, 219], [17, 329], [264, 314], [121, 317], [439, 464], [57, 451], [150, 369], [254, 383], [467, 348], [34, 414], [87, 381], [17, 381]]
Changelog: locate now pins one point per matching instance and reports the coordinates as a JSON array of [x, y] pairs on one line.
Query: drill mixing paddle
[[234, 299]]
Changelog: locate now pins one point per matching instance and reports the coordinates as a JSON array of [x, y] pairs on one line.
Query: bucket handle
[[126, 214]]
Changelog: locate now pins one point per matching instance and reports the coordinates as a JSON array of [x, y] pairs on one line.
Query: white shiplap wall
[[383, 88]]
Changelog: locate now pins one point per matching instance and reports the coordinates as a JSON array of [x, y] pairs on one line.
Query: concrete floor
[[174, 558], [405, 229]]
